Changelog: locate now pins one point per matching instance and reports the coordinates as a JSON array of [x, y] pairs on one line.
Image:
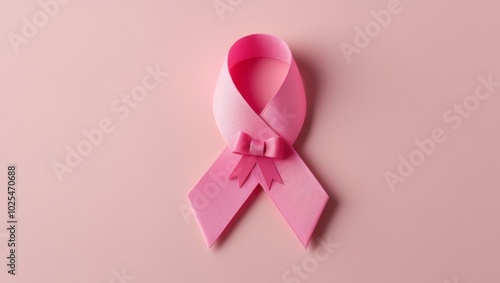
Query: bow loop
[[245, 145], [275, 147]]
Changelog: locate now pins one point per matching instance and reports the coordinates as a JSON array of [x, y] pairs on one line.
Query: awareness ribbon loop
[[258, 149]]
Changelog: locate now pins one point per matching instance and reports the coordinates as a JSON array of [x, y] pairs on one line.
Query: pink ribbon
[[259, 149]]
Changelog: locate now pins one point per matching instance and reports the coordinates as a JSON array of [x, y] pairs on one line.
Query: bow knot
[[246, 145]]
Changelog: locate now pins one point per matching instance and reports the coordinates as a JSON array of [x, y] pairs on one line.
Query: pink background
[[124, 208]]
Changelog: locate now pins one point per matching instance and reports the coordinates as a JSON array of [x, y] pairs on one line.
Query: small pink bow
[[256, 151], [272, 147]]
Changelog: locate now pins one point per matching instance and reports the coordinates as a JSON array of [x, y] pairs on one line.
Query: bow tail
[[268, 172], [243, 168]]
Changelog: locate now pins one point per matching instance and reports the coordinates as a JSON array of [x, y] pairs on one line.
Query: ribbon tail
[[216, 199], [243, 168], [269, 172], [301, 199]]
